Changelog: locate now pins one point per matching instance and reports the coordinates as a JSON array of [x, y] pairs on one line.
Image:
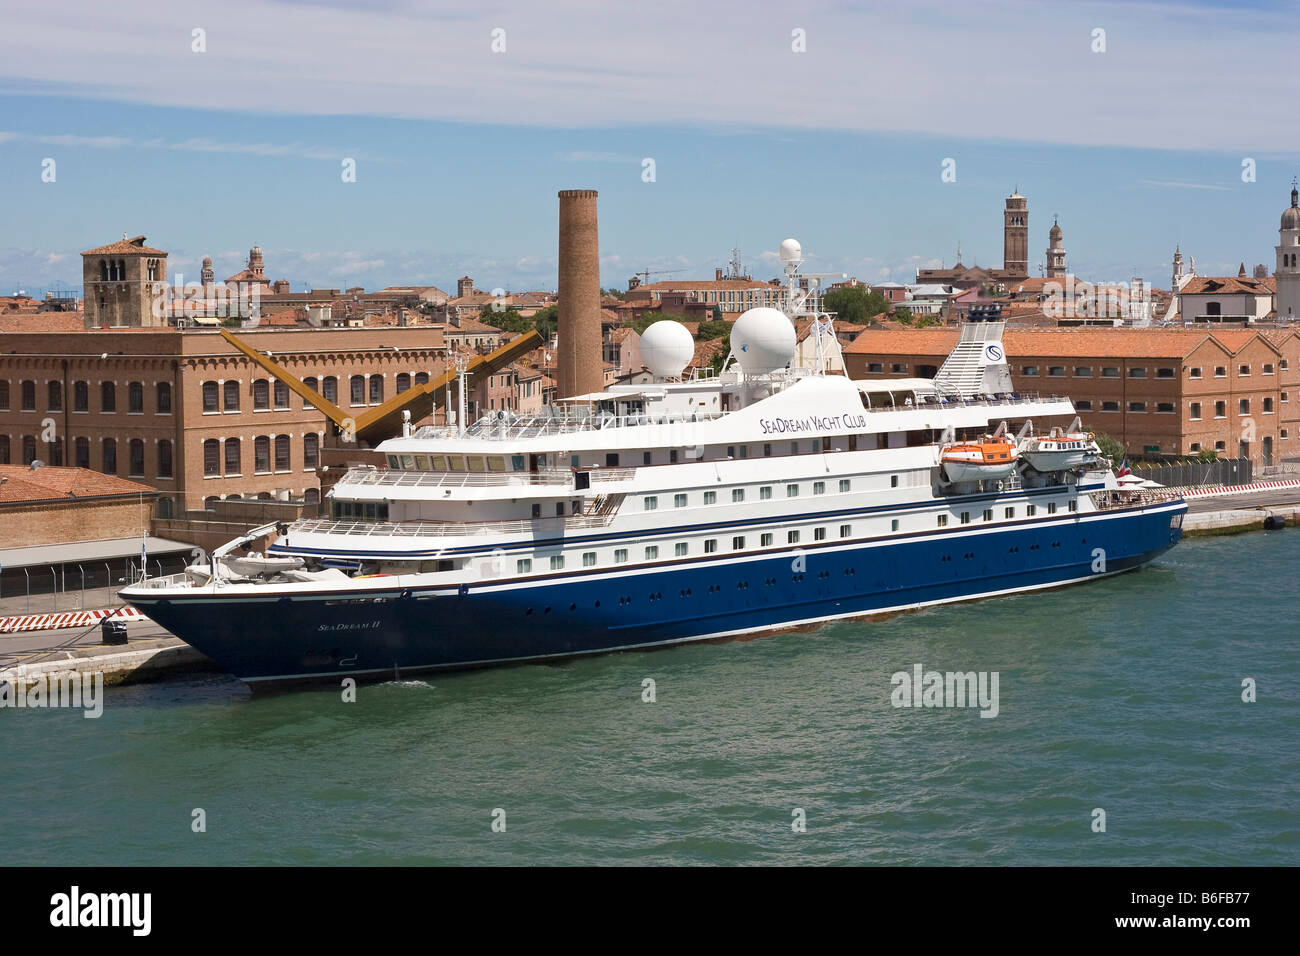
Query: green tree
[[903, 314], [854, 304], [713, 330], [509, 320], [1110, 448], [1207, 454]]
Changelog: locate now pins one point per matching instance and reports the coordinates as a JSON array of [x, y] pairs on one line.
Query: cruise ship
[[776, 493]]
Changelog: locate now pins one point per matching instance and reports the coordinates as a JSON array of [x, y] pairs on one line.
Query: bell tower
[[1288, 249], [1015, 236]]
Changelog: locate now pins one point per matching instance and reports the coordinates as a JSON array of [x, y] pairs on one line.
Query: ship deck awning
[[87, 552]]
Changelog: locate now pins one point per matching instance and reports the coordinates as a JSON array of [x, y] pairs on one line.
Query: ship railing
[[560, 423], [451, 479], [440, 529], [1129, 498]]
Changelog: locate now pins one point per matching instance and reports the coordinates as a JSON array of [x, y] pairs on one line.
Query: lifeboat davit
[[1060, 451], [991, 458]]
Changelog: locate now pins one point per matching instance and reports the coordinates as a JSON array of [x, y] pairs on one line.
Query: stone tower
[[255, 267], [1176, 277], [1288, 271], [464, 287], [207, 276], [122, 283], [578, 355], [1055, 253], [1015, 236]]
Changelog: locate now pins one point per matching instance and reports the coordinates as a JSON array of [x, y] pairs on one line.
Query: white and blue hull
[[401, 629]]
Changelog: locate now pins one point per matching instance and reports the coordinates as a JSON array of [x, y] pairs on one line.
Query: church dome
[[1291, 215]]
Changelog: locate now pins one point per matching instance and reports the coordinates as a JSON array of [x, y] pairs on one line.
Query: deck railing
[[436, 529], [453, 479]]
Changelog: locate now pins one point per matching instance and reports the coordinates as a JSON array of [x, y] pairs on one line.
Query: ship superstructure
[[681, 508]]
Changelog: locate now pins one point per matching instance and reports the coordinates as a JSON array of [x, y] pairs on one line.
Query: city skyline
[[456, 172]]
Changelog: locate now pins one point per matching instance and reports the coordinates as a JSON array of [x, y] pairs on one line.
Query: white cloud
[[968, 70]]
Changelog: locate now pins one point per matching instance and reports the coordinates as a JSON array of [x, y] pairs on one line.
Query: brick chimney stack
[[580, 366]]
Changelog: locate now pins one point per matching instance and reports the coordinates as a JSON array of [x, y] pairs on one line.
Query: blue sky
[[460, 150]]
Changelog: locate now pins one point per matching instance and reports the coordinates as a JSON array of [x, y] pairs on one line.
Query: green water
[[1123, 694]]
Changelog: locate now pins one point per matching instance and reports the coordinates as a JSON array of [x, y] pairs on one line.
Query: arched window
[[108, 397], [281, 394], [55, 396], [103, 271], [403, 382], [4, 449], [264, 496], [261, 394], [358, 384], [311, 496], [231, 396], [310, 450], [330, 388], [210, 503], [210, 397], [80, 397], [261, 453], [376, 389], [211, 457], [135, 398], [311, 383], [281, 452], [421, 378], [29, 449], [81, 449], [1212, 308], [234, 457], [29, 396], [136, 463], [164, 396], [164, 459], [110, 456]]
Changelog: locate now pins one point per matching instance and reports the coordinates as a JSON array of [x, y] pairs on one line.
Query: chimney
[[580, 367], [717, 275]]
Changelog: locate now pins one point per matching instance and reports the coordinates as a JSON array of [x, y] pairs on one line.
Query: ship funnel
[[978, 363]]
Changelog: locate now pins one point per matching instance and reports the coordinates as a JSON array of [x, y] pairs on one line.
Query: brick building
[[54, 506], [1161, 392], [189, 415]]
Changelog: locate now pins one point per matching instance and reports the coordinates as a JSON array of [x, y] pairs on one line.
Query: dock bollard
[[112, 631]]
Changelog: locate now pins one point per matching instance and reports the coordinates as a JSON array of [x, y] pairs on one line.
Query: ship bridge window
[[422, 462], [408, 462], [473, 462], [438, 462], [455, 462], [517, 462], [496, 463], [393, 462]]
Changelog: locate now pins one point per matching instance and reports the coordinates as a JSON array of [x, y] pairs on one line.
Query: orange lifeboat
[[979, 460]]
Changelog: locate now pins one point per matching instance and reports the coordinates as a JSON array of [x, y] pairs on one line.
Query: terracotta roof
[[1075, 342], [621, 334], [125, 246], [688, 285], [42, 322], [706, 352], [51, 483], [1226, 285], [468, 325]]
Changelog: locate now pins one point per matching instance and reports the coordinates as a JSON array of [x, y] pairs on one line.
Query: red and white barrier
[[48, 622], [1215, 491]]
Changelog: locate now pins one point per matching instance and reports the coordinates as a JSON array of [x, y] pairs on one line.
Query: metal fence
[[1185, 473], [75, 587]]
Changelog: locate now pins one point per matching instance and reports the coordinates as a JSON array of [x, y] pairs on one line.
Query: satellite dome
[[791, 251], [666, 348], [763, 339]]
